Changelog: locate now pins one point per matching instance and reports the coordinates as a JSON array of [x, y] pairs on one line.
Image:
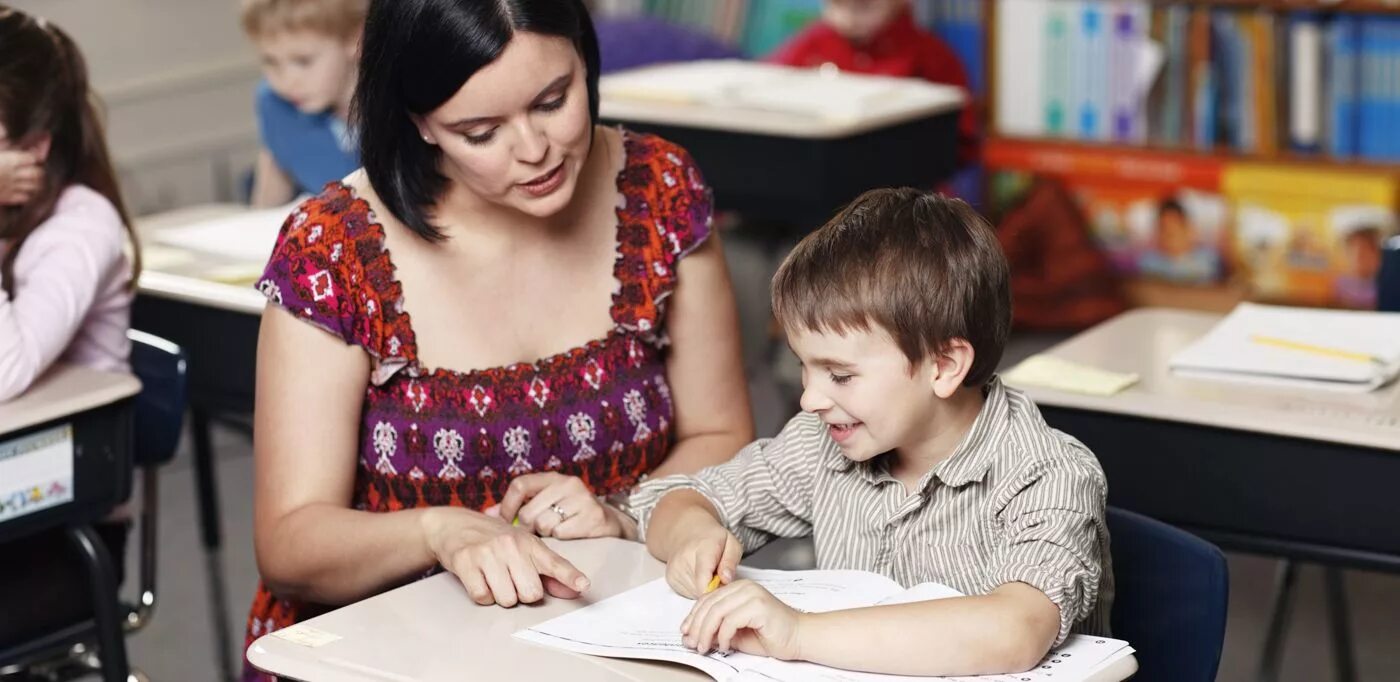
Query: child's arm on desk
[[1007, 630]]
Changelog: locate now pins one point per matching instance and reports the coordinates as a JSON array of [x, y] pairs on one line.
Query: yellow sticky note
[[1051, 372], [306, 636]]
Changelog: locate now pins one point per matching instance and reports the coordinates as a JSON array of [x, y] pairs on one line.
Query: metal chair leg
[[1280, 613], [103, 584], [1339, 619], [207, 489]]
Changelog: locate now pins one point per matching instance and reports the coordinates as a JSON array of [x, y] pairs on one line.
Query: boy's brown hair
[[336, 18], [925, 268]]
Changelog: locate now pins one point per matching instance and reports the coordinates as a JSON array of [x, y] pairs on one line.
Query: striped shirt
[[1017, 501]]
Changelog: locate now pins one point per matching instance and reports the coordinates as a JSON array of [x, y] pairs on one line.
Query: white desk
[[430, 630], [1297, 474], [789, 167], [1143, 341], [691, 94], [186, 281], [63, 391]]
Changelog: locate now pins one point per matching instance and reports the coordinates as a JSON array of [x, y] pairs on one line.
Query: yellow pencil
[[714, 584], [1316, 350]]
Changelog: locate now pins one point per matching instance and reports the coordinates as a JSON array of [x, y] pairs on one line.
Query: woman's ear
[[950, 366], [423, 130]]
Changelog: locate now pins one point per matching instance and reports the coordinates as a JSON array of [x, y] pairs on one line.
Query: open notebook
[[1338, 350], [645, 622]]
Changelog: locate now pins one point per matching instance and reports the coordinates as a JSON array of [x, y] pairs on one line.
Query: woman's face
[[518, 132]]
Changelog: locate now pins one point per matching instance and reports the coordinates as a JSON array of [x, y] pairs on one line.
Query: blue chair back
[[160, 407], [1388, 279], [1171, 594]]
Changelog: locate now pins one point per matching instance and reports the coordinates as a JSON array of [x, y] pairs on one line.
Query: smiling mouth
[[544, 179]]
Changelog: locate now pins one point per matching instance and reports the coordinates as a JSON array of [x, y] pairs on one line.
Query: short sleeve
[[666, 213], [1056, 535], [310, 272]]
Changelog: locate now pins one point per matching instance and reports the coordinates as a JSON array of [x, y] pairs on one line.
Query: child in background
[[65, 283], [880, 37], [911, 459], [310, 53]]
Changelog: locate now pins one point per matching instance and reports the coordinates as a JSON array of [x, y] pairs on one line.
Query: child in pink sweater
[[66, 280]]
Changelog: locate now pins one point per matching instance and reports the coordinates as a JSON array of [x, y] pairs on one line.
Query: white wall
[[177, 77]]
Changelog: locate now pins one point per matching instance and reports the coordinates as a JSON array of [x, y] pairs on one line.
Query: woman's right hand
[[498, 563]]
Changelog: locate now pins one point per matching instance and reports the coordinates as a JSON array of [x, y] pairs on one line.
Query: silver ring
[[563, 515]]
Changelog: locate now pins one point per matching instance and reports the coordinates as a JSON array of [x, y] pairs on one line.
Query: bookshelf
[[1235, 168]]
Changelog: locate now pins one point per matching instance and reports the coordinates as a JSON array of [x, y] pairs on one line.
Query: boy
[[910, 459], [310, 53], [880, 37]]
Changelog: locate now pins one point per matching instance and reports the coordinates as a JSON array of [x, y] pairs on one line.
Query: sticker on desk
[[36, 472], [306, 635]]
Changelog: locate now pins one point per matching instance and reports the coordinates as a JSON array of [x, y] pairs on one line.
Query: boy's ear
[[950, 366]]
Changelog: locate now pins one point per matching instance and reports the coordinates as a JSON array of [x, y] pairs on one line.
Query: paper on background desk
[[1048, 371], [246, 237], [814, 93], [644, 622], [1229, 352]]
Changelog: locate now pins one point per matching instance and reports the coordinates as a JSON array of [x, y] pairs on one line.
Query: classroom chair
[[97, 644], [1171, 594]]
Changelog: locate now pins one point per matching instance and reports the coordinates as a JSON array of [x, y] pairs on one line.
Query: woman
[[526, 311]]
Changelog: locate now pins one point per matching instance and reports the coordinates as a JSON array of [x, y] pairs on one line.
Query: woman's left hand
[[560, 506]]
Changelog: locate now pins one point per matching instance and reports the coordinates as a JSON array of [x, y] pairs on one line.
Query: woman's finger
[[521, 490], [493, 568]]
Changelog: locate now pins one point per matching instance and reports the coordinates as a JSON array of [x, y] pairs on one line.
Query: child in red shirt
[[880, 37]]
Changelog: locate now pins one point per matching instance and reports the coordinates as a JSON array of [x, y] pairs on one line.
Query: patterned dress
[[601, 411]]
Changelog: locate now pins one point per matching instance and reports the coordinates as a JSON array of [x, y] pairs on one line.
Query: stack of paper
[[644, 622], [1338, 350]]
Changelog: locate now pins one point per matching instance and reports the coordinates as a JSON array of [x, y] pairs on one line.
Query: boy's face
[[861, 386], [860, 20], [518, 132], [313, 71]]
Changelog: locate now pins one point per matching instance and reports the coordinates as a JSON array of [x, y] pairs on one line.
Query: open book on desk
[[645, 622], [1340, 350]]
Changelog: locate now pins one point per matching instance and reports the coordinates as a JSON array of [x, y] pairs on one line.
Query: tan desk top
[[187, 281], [622, 100], [430, 631], [62, 391], [1143, 341]]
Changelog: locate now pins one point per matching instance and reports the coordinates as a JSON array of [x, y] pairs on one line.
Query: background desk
[[1294, 473], [793, 168], [430, 630], [1299, 474]]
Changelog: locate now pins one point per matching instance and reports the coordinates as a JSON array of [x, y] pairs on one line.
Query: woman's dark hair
[[44, 91], [415, 56]]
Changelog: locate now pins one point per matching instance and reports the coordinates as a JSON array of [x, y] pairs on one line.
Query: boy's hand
[[742, 616], [20, 177], [713, 551]]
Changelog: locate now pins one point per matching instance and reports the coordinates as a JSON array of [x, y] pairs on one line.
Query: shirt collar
[[969, 461], [973, 456]]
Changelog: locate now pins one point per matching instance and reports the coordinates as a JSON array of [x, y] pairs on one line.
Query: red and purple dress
[[601, 411]]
